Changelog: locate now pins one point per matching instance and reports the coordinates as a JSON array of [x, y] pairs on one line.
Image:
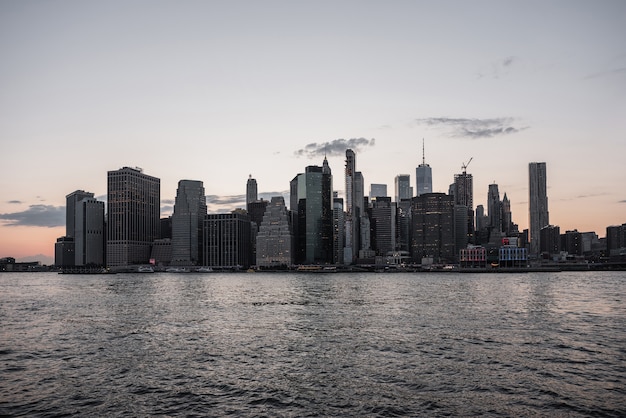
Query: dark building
[[572, 242], [615, 239], [383, 225], [133, 213], [227, 240], [312, 201], [432, 227], [550, 240]]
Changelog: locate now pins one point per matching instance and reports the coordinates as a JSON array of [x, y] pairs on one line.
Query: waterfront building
[[165, 226], [403, 225], [572, 242], [494, 206], [383, 225], [423, 176], [339, 229], [133, 216], [616, 240], [550, 238], [64, 252], [432, 228], [187, 221], [226, 240], [473, 257], [352, 210], [71, 201], [161, 254], [538, 204], [312, 201], [89, 233], [274, 242], [512, 256]]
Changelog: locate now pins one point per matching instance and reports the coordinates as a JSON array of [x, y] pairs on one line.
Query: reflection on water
[[309, 344]]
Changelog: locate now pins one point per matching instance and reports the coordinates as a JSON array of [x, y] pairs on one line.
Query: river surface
[[287, 344]]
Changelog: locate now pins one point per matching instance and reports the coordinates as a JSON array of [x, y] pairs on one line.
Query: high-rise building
[[339, 229], [494, 206], [377, 190], [274, 240], [71, 201], [133, 210], [226, 240], [423, 176], [311, 198], [352, 210], [432, 227], [550, 240], [187, 222], [383, 225], [538, 204], [89, 236], [402, 184], [463, 191], [615, 239], [251, 191]]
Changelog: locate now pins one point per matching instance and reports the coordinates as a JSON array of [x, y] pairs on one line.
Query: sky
[[220, 90]]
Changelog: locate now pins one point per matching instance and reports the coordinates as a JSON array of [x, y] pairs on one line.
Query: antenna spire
[[423, 153]]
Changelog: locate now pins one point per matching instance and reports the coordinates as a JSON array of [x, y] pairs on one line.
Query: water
[[433, 344]]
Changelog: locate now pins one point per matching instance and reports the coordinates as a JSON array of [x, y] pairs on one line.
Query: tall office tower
[[538, 204], [89, 238], [432, 227], [226, 240], [352, 213], [133, 210], [165, 228], [423, 176], [256, 210], [71, 201], [461, 235], [339, 229], [572, 242], [383, 225], [402, 184], [377, 190], [507, 216], [187, 222], [463, 191], [274, 240], [494, 206], [251, 191], [403, 225], [312, 198]]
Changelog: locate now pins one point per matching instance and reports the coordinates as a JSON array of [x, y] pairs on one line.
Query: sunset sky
[[218, 90]]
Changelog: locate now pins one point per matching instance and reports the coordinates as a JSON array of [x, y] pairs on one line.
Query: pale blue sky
[[218, 90]]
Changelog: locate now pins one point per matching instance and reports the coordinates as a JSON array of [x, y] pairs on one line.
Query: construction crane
[[464, 165]]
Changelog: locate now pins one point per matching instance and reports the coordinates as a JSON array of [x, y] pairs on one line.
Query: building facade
[[274, 242], [187, 221], [538, 216], [432, 228], [226, 241], [133, 211], [89, 233]]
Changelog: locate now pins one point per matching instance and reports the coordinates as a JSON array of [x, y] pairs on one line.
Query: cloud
[[622, 201], [613, 72], [15, 202], [168, 201], [335, 147], [473, 128], [36, 215], [498, 68]]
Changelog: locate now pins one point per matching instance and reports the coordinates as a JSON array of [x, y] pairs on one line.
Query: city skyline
[[217, 92]]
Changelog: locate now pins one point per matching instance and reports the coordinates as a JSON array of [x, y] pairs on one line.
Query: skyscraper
[[377, 190], [311, 198], [133, 210], [402, 184], [274, 240], [339, 229], [463, 190], [538, 204], [89, 232], [432, 225], [352, 213], [226, 240], [383, 225], [494, 206], [423, 176], [71, 201], [251, 191], [189, 212]]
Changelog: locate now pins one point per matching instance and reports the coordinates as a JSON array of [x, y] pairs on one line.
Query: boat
[[145, 269], [204, 269]]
